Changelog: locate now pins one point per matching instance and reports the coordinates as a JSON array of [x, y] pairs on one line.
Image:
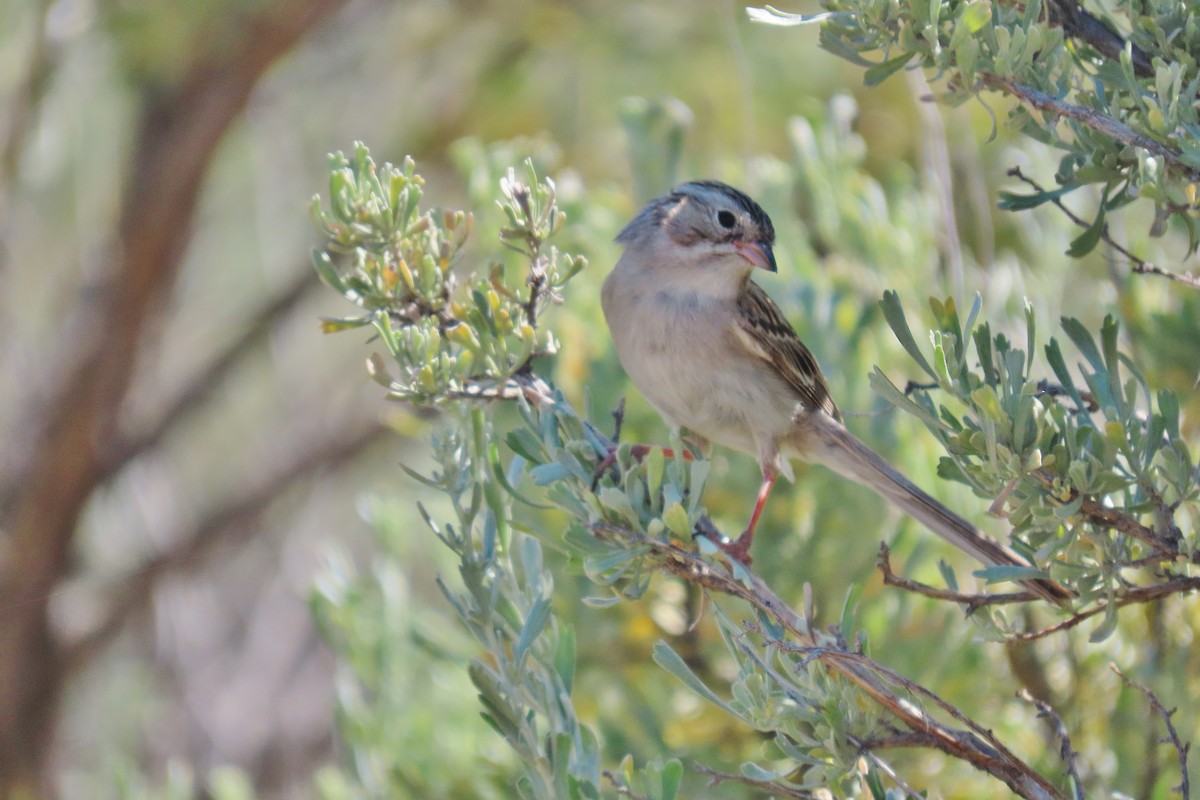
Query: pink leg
[[740, 549]]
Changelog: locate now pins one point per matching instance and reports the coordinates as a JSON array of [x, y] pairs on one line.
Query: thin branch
[[619, 786], [202, 384], [233, 519], [716, 778], [1126, 597], [973, 744], [971, 601], [1093, 119], [1140, 265], [1181, 747], [1059, 728]]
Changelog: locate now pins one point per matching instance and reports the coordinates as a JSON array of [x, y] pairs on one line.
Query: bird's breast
[[680, 350]]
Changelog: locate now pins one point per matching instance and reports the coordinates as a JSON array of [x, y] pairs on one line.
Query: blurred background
[[183, 455]]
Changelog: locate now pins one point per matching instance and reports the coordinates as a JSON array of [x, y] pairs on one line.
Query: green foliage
[[1076, 485], [1045, 450], [1119, 110]]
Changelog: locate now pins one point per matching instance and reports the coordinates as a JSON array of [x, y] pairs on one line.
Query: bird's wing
[[765, 333]]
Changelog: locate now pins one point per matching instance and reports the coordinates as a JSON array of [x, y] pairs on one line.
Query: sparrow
[[712, 353]]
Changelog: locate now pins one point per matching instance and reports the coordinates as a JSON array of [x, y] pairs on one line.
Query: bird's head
[[704, 225]]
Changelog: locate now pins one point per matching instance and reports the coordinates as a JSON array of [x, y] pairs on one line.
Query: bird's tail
[[826, 441]]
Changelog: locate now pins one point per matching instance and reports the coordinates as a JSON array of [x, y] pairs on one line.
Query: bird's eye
[[726, 219]]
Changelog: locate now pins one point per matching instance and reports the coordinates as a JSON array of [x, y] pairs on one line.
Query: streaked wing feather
[[767, 334]]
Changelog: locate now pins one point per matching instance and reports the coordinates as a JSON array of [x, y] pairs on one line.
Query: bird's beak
[[759, 254]]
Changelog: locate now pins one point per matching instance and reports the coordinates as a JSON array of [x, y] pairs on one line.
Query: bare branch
[[971, 601], [234, 519], [1140, 265], [201, 386], [1078, 23], [1181, 747], [716, 778], [1065, 751], [178, 132]]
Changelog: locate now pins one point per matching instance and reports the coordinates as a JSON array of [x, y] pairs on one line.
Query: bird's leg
[[740, 549]]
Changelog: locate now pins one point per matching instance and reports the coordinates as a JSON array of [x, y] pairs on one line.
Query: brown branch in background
[[973, 743], [938, 175], [179, 130], [1078, 23], [1139, 265], [1065, 751], [229, 522], [1181, 747], [200, 387]]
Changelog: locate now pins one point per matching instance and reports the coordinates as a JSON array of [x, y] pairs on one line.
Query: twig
[[716, 778], [1059, 728], [1140, 265], [971, 601], [619, 786], [887, 769], [1126, 597], [1181, 747]]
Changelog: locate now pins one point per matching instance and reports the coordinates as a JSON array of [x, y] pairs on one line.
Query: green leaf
[[893, 312], [1086, 242], [535, 623], [1084, 341], [564, 657], [999, 573], [1010, 201], [669, 660], [976, 16], [672, 777], [881, 72]]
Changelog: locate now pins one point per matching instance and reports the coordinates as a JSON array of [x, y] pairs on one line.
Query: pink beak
[[759, 254]]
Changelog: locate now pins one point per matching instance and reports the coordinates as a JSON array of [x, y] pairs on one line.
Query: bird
[[713, 354]]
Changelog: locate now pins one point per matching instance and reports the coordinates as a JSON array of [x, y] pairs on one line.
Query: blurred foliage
[[619, 531], [839, 167], [1120, 109]]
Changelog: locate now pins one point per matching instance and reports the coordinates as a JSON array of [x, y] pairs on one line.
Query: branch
[[232, 520], [1092, 119], [716, 778], [200, 387], [1065, 751], [971, 601], [71, 432], [973, 744], [1140, 265], [1126, 597], [1078, 23], [1181, 747]]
